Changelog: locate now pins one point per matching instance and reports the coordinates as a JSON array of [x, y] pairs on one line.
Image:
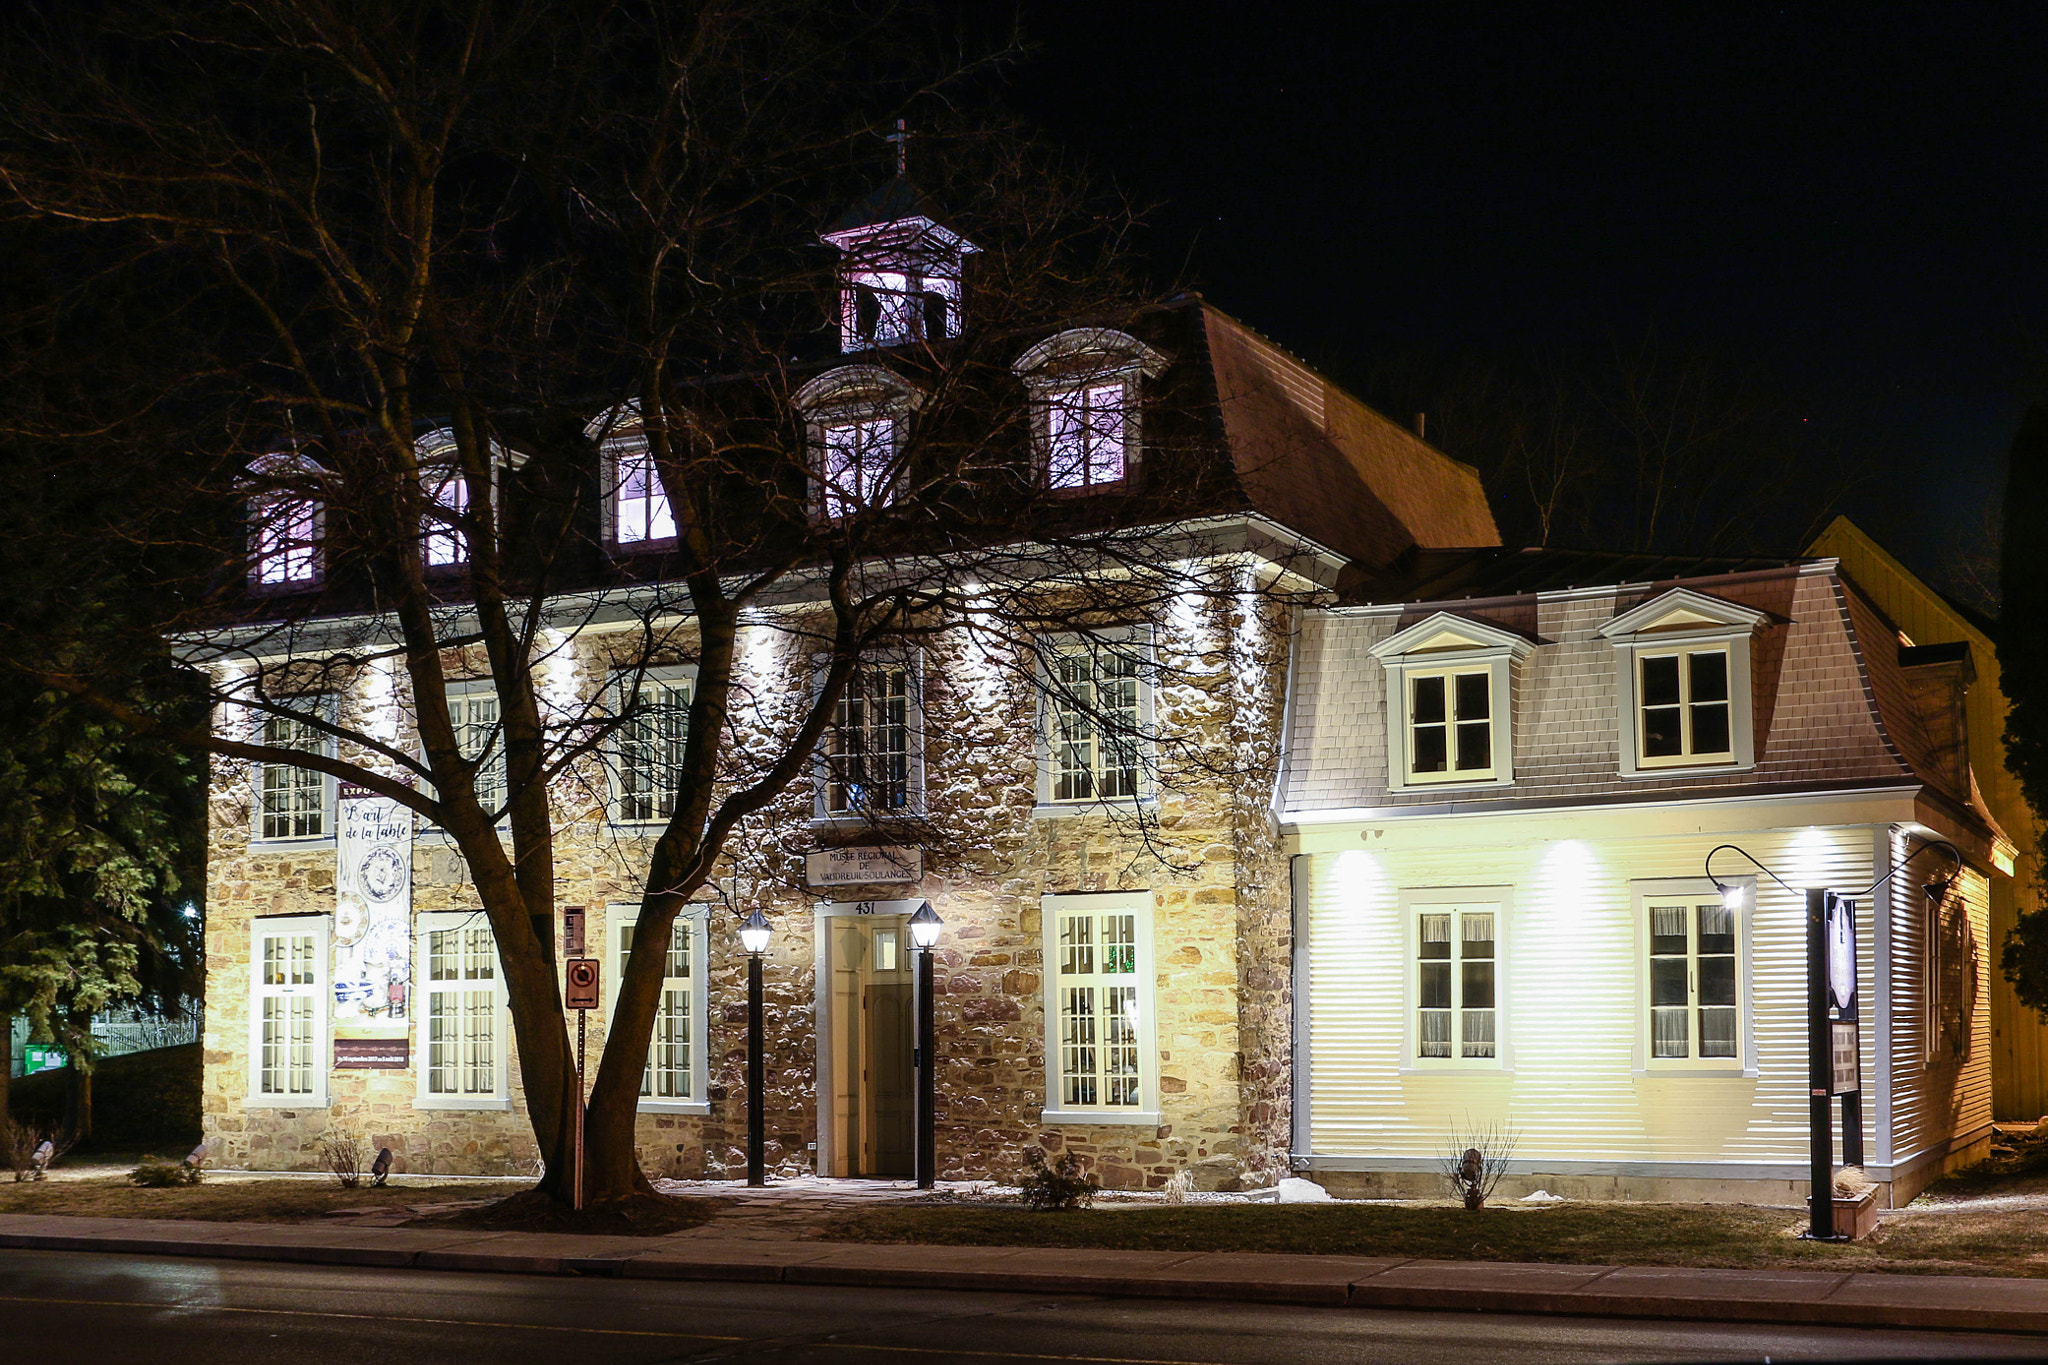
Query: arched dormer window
[[287, 518], [1084, 386], [444, 542], [854, 418], [637, 514]]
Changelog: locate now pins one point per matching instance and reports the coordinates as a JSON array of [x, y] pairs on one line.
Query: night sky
[[1850, 196]]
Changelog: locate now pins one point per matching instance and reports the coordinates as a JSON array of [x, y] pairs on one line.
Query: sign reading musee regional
[[864, 866], [372, 909]]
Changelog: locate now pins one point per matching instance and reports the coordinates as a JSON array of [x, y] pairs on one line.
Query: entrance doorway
[[869, 1027]]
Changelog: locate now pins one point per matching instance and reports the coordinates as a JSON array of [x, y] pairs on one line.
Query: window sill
[[1451, 784], [315, 842], [1455, 1066], [285, 1102], [480, 1103], [865, 820], [1735, 1073], [1101, 1117], [1654, 767], [698, 1108], [1067, 810]]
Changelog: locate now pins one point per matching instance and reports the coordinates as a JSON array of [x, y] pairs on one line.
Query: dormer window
[[637, 513], [1084, 387], [859, 466], [286, 523], [1449, 721], [855, 418], [1682, 683], [900, 276], [447, 545]]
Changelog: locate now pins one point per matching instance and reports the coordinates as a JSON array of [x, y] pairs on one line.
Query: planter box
[[1857, 1218]]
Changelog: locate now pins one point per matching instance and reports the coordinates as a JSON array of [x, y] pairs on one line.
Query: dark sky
[[1852, 196]]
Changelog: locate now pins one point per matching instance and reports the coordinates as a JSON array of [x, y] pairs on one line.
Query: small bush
[[157, 1174], [1058, 1186], [342, 1155]]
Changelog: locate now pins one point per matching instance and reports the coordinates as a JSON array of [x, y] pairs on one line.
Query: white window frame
[[1678, 622], [659, 514], [680, 678], [1694, 891], [1449, 646], [423, 987], [326, 708], [320, 991], [483, 687], [1075, 361], [874, 465], [1134, 643], [911, 665], [1413, 905], [1137, 904], [847, 395], [1059, 404], [694, 921]]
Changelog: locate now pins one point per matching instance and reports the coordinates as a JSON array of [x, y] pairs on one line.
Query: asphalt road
[[62, 1307]]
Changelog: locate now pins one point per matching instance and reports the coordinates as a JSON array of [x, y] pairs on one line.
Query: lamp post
[[754, 933], [1831, 920], [924, 935]]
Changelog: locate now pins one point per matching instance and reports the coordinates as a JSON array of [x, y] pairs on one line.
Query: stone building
[[1114, 974]]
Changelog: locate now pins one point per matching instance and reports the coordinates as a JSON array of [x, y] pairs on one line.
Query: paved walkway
[[1779, 1296]]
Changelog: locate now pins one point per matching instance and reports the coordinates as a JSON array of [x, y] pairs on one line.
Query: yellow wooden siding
[[1571, 995], [1937, 1095]]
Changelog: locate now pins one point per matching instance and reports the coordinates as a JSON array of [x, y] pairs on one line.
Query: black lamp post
[[754, 938], [1823, 1018], [924, 934]]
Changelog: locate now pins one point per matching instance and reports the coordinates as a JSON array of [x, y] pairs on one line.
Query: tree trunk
[[6, 1063], [77, 1105]]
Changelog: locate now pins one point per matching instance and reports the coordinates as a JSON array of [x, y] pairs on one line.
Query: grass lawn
[[1719, 1235], [231, 1201]]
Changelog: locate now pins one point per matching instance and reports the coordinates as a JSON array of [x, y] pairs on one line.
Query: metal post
[[756, 1164], [1820, 1069], [927, 1159], [582, 1020]]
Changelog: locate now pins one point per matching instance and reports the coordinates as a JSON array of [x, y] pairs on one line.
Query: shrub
[[342, 1155], [1474, 1163], [155, 1173], [1057, 1186]]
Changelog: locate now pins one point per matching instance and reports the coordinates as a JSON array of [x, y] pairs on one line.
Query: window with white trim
[[1098, 706], [1456, 964], [1103, 1058], [649, 746], [1087, 430], [294, 803], [856, 465], [1450, 718], [446, 543], [463, 1032], [675, 1076], [473, 711], [874, 747], [284, 550], [1450, 725], [641, 514], [1695, 998], [1684, 707], [1682, 682], [288, 1011]]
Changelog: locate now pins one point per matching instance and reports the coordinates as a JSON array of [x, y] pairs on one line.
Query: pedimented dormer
[[901, 271], [1450, 702], [1682, 683]]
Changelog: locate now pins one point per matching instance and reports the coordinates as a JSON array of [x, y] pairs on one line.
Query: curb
[[1848, 1299]]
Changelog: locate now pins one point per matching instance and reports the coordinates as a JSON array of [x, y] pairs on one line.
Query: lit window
[[1454, 984], [674, 1076], [286, 542], [289, 1011], [294, 800], [1449, 681], [1450, 725], [1097, 713], [871, 746], [640, 508], [650, 749], [446, 542], [463, 1029], [857, 468], [474, 714], [1099, 950], [1693, 979], [1685, 706], [1086, 434]]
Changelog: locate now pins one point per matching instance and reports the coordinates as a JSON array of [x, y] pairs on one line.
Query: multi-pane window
[[671, 1072], [446, 543], [288, 1015], [294, 800], [650, 748], [1087, 432], [1098, 998], [285, 551], [868, 750], [857, 466], [1693, 979], [1454, 983], [462, 1026], [477, 735], [1097, 715], [640, 506], [1450, 725], [1684, 701]]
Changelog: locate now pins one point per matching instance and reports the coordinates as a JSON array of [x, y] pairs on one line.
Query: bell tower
[[900, 269]]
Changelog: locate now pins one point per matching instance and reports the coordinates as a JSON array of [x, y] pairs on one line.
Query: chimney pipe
[[1422, 426]]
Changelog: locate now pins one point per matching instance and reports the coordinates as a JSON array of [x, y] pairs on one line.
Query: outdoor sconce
[[924, 933], [754, 932]]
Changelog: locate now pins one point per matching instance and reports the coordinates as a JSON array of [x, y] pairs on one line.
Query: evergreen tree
[[2023, 669]]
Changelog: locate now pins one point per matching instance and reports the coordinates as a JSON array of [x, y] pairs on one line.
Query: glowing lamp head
[[1731, 896], [754, 932], [925, 926]]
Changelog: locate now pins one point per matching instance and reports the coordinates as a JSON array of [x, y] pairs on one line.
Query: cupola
[[899, 272]]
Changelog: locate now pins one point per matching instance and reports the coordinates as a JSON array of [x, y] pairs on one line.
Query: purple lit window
[[287, 542], [641, 510], [447, 543], [857, 470], [1087, 431]]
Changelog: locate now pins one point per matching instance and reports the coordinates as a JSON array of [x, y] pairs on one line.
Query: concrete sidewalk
[[1773, 1296]]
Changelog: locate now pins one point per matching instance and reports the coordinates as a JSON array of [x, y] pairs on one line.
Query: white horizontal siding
[[1936, 1094]]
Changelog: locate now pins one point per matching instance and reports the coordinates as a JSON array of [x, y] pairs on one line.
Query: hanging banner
[[372, 913], [1845, 1027]]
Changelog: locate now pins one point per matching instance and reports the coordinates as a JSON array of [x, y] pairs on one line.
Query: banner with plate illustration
[[372, 912]]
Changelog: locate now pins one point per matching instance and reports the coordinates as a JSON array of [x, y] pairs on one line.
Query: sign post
[[581, 979]]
